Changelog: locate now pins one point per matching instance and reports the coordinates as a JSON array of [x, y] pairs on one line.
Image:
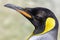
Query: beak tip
[[10, 6], [6, 5]]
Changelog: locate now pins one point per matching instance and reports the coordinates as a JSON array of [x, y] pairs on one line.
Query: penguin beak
[[19, 9]]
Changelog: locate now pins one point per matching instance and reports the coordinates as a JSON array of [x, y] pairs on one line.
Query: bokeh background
[[14, 26]]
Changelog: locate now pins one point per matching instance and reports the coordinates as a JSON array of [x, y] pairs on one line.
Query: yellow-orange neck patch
[[49, 25]]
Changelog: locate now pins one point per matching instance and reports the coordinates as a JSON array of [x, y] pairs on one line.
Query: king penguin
[[43, 19]]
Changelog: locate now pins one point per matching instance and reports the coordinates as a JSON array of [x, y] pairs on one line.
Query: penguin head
[[43, 19]]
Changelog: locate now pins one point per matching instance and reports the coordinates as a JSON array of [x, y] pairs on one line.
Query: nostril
[[28, 9]]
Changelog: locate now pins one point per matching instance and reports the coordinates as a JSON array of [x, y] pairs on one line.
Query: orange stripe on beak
[[24, 13]]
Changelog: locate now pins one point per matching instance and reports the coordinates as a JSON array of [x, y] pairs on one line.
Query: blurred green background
[[13, 26]]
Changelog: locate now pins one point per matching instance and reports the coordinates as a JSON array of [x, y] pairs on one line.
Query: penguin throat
[[39, 29]]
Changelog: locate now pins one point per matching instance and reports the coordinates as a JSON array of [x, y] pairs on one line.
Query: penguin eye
[[49, 24]]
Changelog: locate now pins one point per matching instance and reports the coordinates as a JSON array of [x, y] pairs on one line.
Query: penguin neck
[[51, 35]]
